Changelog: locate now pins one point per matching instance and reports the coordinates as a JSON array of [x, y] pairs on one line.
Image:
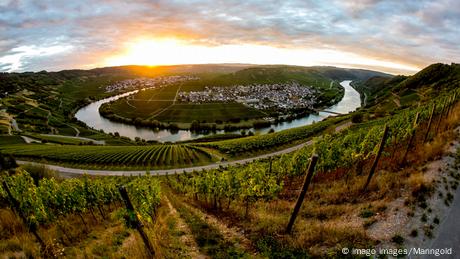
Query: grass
[[9, 140]]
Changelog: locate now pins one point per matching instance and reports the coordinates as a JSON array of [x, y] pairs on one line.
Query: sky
[[394, 36]]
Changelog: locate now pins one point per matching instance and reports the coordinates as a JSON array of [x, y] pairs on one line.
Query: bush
[[397, 239], [366, 213], [357, 117]]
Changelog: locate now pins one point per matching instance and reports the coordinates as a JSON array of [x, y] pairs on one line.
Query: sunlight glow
[[173, 52]]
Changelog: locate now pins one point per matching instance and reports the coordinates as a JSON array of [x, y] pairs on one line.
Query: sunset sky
[[389, 35]]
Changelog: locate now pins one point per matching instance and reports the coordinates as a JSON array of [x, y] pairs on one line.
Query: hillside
[[45, 102], [399, 92]]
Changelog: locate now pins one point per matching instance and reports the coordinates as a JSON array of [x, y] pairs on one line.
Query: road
[[29, 140], [15, 125], [96, 142], [69, 172], [448, 235]]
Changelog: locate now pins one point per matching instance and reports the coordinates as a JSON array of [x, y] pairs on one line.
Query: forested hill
[[222, 74], [307, 75], [402, 91]]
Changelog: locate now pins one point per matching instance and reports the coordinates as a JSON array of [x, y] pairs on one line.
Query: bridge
[[331, 112]]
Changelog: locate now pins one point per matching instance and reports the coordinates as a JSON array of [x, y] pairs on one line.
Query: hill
[[398, 92]]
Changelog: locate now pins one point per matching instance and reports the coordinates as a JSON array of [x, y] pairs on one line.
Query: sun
[[153, 52]]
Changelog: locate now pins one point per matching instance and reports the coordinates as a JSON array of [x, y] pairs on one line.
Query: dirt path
[[77, 131], [127, 102], [53, 129], [15, 126], [343, 126], [187, 238], [396, 99], [233, 234]]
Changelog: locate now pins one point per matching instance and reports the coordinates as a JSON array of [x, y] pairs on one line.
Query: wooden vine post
[[441, 114], [429, 123], [137, 223], [308, 178], [449, 109], [17, 208], [411, 139], [451, 106], [377, 157], [270, 166]]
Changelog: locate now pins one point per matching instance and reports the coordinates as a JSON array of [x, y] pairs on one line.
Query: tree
[[7, 162], [195, 126], [357, 118]]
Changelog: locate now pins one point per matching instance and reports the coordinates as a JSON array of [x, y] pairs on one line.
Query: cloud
[[18, 57], [411, 33]]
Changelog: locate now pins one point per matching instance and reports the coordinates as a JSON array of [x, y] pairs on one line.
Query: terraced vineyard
[[158, 156], [266, 141]]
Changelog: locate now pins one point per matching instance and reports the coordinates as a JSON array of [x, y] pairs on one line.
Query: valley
[[232, 191]]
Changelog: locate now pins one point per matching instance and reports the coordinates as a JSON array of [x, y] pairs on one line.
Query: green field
[[209, 112], [154, 156], [8, 140], [144, 104], [158, 104]]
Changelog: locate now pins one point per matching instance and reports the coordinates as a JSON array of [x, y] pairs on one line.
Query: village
[[283, 96], [138, 83]]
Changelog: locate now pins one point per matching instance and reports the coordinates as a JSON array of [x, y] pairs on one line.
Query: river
[[91, 117]]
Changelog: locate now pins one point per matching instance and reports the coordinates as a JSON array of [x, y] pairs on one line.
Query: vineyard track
[[233, 234], [69, 172], [187, 238]]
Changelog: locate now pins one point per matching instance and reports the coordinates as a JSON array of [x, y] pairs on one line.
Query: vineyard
[[349, 149], [42, 203], [272, 140], [340, 175], [158, 156]]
